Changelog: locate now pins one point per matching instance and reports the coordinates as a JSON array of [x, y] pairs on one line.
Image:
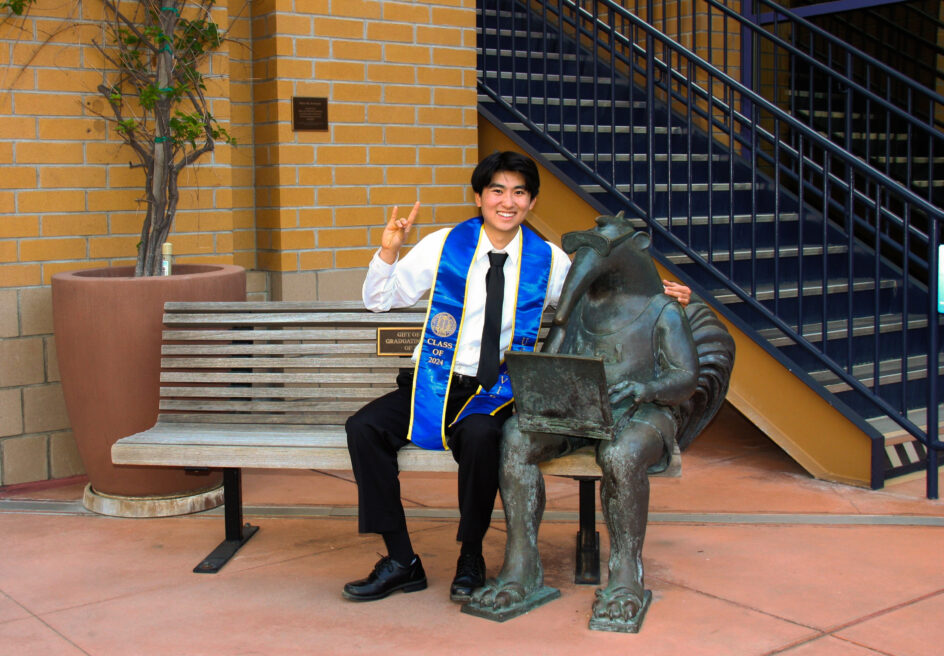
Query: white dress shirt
[[406, 281]]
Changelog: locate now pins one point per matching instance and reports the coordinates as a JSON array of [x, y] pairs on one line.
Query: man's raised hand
[[395, 233]]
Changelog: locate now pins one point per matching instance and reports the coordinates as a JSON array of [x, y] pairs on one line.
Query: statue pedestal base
[[632, 626], [538, 598]]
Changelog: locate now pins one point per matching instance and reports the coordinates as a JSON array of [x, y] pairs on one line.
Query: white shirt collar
[[513, 249]]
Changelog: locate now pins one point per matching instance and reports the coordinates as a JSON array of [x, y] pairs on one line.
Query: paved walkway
[[745, 555]]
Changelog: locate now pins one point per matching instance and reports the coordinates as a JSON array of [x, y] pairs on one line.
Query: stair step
[[641, 157], [917, 159], [721, 220], [746, 254], [903, 454], [523, 56], [695, 187], [768, 292], [926, 183], [599, 129], [901, 448], [572, 102], [895, 434], [553, 78], [889, 372], [839, 329], [818, 95], [825, 113], [492, 32], [866, 136]]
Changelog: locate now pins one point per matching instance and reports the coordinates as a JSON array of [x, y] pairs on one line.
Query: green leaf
[[17, 7], [126, 126]]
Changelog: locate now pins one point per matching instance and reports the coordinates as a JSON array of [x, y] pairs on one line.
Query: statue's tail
[[715, 348]]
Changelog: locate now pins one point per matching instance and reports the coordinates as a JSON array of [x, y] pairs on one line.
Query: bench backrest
[[281, 362], [274, 362]]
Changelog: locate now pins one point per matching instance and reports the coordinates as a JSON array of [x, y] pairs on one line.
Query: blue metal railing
[[900, 34], [876, 112], [798, 229]]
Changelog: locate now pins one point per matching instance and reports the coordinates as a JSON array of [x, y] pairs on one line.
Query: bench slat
[[271, 457], [291, 319], [210, 405], [279, 306], [270, 349], [181, 433], [254, 377], [263, 419], [197, 445], [300, 362], [315, 334], [227, 392]]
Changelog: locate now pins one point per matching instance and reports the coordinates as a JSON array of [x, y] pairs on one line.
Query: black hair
[[507, 160]]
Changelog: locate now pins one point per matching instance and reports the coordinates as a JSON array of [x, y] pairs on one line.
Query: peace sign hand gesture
[[395, 233]]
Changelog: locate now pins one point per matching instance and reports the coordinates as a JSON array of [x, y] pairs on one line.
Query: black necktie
[[489, 356]]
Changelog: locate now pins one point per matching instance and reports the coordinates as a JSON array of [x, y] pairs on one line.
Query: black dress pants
[[378, 430]]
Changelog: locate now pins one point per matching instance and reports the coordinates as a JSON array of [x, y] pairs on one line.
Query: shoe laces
[[468, 564], [388, 563], [385, 563]]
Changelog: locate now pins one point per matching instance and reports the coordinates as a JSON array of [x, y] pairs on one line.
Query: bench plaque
[[397, 340]]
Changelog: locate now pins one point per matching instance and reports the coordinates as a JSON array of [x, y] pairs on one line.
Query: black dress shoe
[[470, 575], [388, 576]]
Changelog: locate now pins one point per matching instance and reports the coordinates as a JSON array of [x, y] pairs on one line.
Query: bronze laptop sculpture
[[667, 369]]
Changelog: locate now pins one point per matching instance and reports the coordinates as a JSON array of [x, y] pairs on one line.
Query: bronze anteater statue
[[667, 369]]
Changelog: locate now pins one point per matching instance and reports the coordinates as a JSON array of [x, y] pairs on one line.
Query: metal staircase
[[824, 258]]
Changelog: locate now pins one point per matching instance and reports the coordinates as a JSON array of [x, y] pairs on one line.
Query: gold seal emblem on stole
[[443, 324]]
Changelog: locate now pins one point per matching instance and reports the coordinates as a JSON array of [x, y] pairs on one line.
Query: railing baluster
[[877, 276], [689, 152], [906, 303], [934, 444]]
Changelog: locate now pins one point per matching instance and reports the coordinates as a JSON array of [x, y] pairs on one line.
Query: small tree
[[154, 56]]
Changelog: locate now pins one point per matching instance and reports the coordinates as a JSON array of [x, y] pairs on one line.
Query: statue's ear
[[571, 241], [642, 240]]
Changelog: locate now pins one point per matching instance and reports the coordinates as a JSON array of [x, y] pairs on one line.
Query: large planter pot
[[108, 334]]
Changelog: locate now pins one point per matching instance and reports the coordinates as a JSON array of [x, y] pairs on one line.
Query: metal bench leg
[[236, 532], [587, 569]]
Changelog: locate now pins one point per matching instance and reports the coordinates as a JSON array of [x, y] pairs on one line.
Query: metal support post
[[237, 533]]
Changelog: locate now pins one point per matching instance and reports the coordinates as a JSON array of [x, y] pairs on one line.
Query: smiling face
[[504, 202]]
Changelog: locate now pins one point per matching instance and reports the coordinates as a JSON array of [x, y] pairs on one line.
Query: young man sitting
[[490, 280]]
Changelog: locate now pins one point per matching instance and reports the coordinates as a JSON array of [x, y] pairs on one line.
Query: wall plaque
[[309, 114], [398, 340]]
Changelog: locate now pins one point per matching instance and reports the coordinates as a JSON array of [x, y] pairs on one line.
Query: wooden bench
[[270, 385]]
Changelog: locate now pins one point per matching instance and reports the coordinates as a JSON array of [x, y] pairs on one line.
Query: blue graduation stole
[[444, 316]]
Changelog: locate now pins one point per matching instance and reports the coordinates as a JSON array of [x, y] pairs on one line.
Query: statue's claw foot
[[499, 601], [619, 609], [498, 594]]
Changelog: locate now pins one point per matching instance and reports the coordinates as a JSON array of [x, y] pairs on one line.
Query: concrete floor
[[745, 555]]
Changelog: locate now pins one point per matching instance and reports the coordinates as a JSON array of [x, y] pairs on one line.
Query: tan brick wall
[[299, 210], [399, 78]]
